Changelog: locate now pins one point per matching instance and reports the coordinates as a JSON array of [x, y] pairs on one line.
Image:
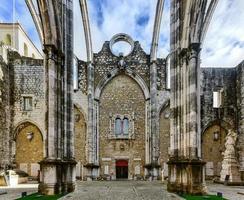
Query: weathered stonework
[[29, 151], [138, 61], [122, 96], [80, 142], [5, 114]]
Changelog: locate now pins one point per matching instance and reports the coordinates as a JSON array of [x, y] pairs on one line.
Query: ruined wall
[[28, 82], [80, 141], [5, 113], [212, 149], [212, 79], [105, 62], [240, 111], [215, 120], [122, 96]]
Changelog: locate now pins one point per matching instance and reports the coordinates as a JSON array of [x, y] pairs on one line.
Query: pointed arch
[[24, 124], [127, 72], [222, 123], [78, 107]]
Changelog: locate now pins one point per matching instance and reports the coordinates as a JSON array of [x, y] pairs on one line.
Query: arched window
[[33, 55], [8, 40], [126, 126], [25, 50], [117, 126]]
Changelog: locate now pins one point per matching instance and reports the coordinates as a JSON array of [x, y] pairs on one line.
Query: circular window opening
[[121, 44], [121, 48]]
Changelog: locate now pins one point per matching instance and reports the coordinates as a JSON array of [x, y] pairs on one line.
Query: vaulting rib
[[210, 10], [186, 25], [156, 29], [86, 25], [36, 19]]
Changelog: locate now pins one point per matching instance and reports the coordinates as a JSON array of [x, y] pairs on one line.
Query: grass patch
[[41, 197], [204, 197]]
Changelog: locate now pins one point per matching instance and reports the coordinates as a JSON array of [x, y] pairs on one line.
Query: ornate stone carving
[[82, 76], [230, 168]]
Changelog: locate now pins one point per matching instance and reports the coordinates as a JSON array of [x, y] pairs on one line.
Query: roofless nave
[[124, 120]]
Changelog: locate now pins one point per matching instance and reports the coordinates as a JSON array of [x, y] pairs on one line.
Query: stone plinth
[[57, 176], [230, 168], [186, 176]]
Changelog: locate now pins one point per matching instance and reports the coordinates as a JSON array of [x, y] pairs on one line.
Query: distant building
[[12, 35]]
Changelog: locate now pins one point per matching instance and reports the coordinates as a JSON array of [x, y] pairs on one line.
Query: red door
[[122, 169]]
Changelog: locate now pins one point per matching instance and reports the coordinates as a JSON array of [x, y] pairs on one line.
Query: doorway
[[122, 169]]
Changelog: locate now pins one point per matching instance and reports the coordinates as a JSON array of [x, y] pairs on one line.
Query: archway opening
[[29, 148], [213, 144], [121, 169]]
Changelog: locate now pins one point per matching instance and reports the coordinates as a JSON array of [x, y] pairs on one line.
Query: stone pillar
[[58, 167], [51, 166], [70, 160], [186, 169], [154, 124], [92, 137]]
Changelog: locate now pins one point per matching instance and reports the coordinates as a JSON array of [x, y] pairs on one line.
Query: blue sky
[[223, 45]]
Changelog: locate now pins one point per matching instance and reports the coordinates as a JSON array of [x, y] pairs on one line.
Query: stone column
[[154, 128], [186, 169], [69, 162], [92, 162], [51, 166]]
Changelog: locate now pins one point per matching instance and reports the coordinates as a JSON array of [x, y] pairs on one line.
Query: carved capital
[[194, 50], [52, 53]]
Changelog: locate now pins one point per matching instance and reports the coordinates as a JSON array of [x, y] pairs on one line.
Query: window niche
[[28, 102], [121, 127]]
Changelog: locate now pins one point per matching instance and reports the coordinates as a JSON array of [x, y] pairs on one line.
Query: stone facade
[[5, 113], [122, 96]]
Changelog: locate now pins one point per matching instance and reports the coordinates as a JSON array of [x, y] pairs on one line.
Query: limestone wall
[[240, 109], [213, 79], [5, 113], [28, 82], [122, 96], [80, 129]]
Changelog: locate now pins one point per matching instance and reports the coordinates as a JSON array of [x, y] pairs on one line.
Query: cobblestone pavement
[[126, 190], [121, 190], [15, 193], [229, 192]]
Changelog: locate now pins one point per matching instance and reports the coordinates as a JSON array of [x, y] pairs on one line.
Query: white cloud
[[223, 45], [117, 17], [224, 42]]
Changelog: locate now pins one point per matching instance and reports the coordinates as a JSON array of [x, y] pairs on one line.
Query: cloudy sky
[[223, 45]]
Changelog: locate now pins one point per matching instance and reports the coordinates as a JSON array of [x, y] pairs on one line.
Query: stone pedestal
[[152, 171], [230, 170], [56, 176], [186, 176], [92, 171]]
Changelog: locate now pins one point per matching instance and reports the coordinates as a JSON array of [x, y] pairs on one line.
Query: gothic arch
[[163, 106], [213, 145], [49, 23], [115, 73], [28, 147], [82, 111], [23, 124], [222, 123]]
